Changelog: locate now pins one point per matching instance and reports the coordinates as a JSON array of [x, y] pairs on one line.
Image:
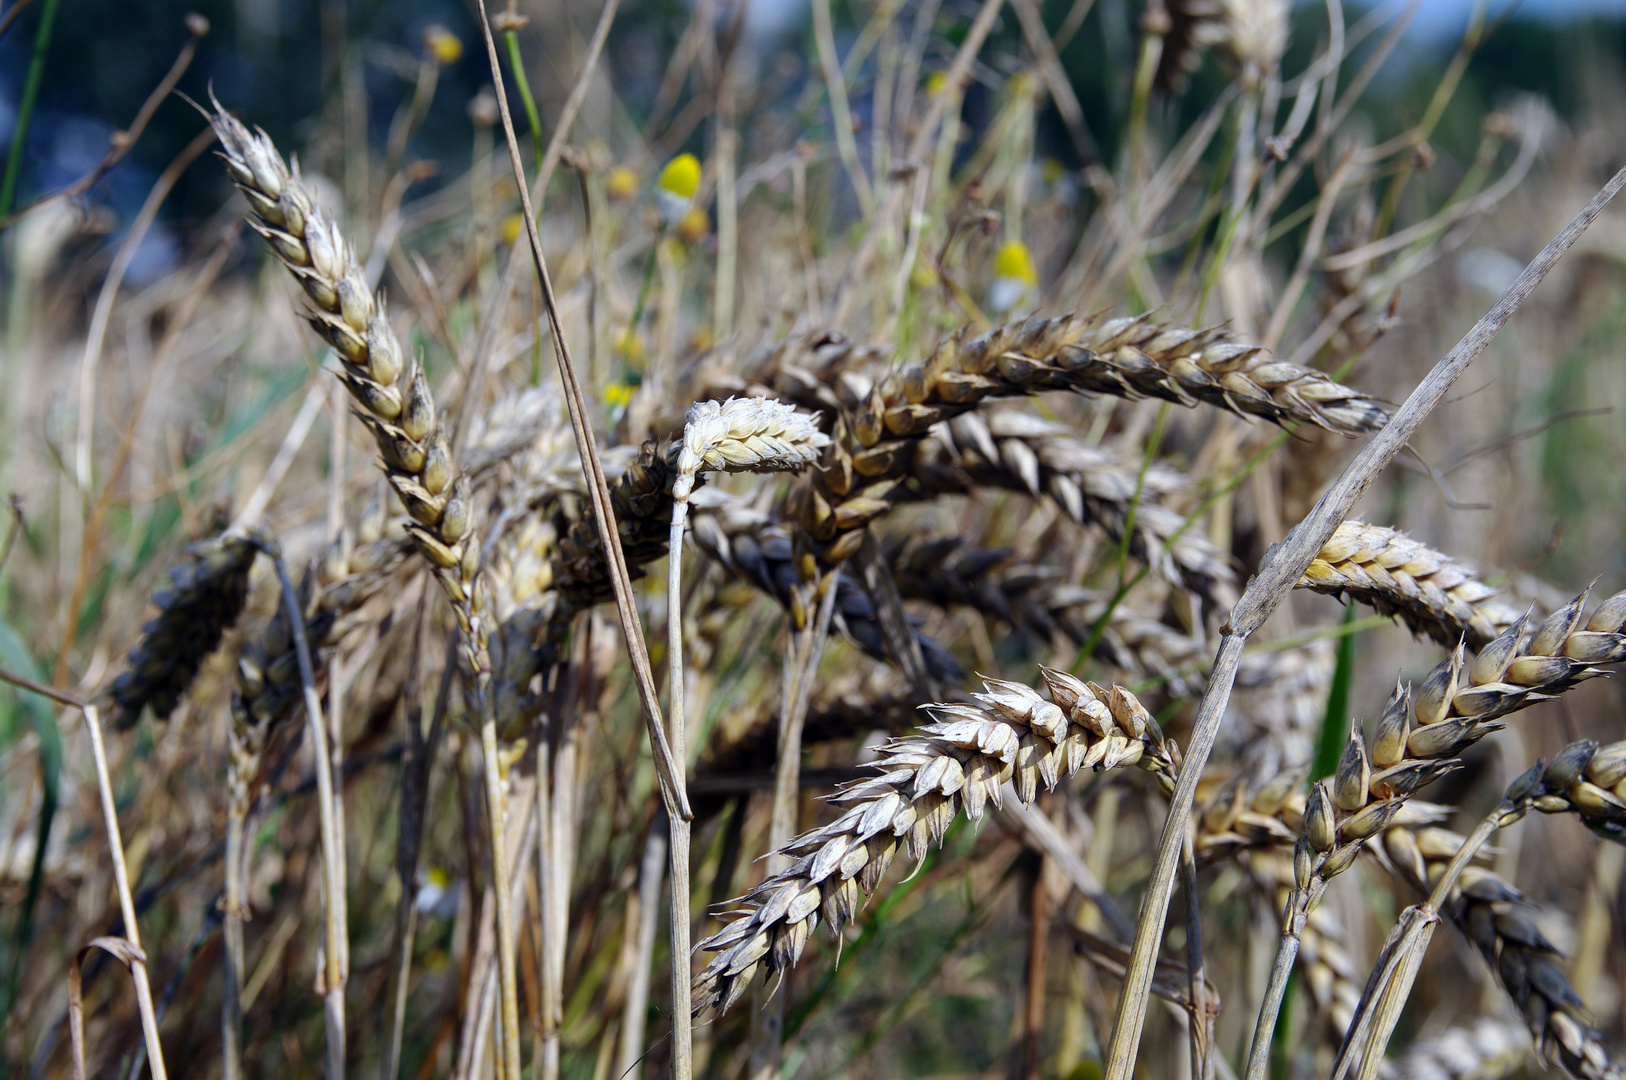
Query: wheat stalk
[[1396, 575], [205, 595], [1009, 733]]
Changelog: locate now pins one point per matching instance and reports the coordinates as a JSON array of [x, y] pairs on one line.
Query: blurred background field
[[200, 366]]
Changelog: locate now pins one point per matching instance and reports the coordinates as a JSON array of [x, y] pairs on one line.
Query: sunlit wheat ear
[[1130, 358], [392, 396], [737, 435], [206, 593], [960, 761], [1389, 571]]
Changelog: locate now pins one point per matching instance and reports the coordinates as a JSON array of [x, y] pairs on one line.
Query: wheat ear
[[1132, 358], [1389, 571], [393, 398], [1495, 916], [1009, 733], [206, 594], [395, 404], [1094, 485]]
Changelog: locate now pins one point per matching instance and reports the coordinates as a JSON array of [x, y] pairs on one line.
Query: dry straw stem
[[669, 766], [1281, 569], [1389, 571], [121, 875], [206, 594], [1009, 733]]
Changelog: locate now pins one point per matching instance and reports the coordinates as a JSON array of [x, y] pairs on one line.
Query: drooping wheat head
[[205, 595], [960, 761]]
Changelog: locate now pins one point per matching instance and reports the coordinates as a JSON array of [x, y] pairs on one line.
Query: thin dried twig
[[115, 846]]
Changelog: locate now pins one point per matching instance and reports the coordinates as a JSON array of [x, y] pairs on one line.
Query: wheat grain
[[960, 761], [1396, 575], [205, 595]]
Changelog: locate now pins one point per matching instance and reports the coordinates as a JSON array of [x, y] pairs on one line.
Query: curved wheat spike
[[205, 595], [1396, 575], [923, 781], [1132, 358], [1094, 485], [392, 397]]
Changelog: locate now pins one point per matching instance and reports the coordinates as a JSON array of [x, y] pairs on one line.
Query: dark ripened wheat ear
[[1497, 918], [759, 548], [269, 691], [1396, 575], [923, 781], [205, 595], [392, 397]]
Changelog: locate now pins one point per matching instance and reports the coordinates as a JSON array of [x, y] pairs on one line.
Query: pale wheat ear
[[958, 761]]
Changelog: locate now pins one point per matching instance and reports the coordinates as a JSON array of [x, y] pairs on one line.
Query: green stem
[[517, 66], [1335, 724], [25, 107]]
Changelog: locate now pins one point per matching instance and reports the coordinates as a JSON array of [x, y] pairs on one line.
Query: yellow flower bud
[[442, 44], [621, 184]]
